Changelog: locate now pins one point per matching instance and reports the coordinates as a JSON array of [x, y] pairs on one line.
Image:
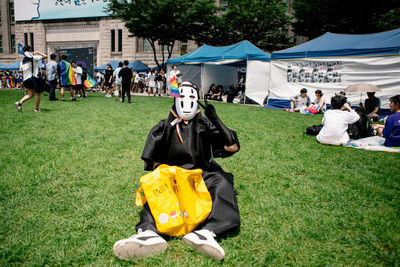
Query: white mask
[[186, 105]]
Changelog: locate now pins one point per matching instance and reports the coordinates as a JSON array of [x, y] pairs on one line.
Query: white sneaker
[[141, 245], [203, 241]]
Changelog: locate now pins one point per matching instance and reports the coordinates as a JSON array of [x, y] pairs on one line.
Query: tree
[[263, 23], [163, 22], [315, 17]]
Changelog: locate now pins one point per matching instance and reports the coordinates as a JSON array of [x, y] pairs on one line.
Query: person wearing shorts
[[30, 68]]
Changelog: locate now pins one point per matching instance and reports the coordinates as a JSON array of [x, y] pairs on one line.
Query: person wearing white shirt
[[175, 73], [78, 77], [51, 69], [118, 80], [30, 68], [336, 121]]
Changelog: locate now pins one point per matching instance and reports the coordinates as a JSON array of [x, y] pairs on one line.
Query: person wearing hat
[[188, 140], [300, 101]]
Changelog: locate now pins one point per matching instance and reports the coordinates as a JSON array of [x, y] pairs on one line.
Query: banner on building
[[27, 10]]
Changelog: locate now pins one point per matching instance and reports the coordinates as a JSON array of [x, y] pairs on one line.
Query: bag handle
[[140, 201]]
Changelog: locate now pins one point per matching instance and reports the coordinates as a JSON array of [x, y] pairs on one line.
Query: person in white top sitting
[[32, 82], [336, 121], [300, 102]]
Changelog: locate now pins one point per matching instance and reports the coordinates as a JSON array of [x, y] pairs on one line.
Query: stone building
[[108, 37]]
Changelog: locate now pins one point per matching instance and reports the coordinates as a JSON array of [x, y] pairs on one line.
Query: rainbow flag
[[67, 75], [10, 80], [89, 82], [174, 87]]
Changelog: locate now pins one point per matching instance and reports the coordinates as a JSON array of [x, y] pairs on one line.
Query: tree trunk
[[153, 47]]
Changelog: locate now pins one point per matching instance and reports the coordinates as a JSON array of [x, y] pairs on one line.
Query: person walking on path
[[126, 74], [30, 68]]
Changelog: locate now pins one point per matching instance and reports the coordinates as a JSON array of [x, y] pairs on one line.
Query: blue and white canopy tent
[[16, 65], [332, 62], [220, 65], [138, 66], [113, 63]]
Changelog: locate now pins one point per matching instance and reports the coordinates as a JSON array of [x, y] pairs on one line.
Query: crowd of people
[[11, 79], [334, 129], [152, 82]]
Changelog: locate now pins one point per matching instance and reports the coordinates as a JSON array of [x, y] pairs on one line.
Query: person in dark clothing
[[232, 93], [372, 106], [126, 74], [108, 76], [188, 140]]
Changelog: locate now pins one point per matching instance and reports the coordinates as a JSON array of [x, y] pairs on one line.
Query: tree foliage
[[263, 23], [163, 22], [315, 17]]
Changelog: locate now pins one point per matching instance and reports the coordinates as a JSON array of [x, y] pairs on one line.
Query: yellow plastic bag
[[178, 198]]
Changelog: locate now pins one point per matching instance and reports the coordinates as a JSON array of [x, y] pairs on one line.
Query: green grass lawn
[[69, 176]]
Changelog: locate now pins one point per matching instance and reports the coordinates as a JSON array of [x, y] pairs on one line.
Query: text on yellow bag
[[178, 198]]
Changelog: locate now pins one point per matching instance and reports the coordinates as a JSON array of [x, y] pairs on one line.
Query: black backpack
[[314, 130], [361, 128]]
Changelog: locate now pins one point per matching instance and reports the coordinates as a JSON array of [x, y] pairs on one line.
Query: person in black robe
[[188, 140]]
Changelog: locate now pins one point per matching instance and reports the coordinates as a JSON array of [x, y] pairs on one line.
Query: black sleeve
[[154, 142], [217, 141]]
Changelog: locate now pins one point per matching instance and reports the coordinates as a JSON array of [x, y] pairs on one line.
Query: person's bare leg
[[291, 104], [37, 100], [28, 96], [72, 92], [62, 92]]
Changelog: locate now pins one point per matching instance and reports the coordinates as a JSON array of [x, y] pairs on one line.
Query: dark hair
[[73, 61], [395, 99], [319, 92], [26, 48], [337, 101], [304, 90], [64, 57], [53, 56], [120, 64], [126, 62], [370, 93], [212, 86]]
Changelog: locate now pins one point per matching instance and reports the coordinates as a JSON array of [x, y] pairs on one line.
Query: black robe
[[202, 143]]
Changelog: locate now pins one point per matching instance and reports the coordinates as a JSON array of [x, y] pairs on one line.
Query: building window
[[13, 49], [184, 48], [112, 40], [1, 44], [25, 39], [146, 45], [32, 41], [120, 40], [11, 10]]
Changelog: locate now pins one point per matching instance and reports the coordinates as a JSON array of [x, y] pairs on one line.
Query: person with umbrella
[[372, 105]]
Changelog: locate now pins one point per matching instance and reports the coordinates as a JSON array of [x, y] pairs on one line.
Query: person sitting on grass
[[188, 140], [299, 102], [319, 105], [391, 130], [372, 106], [336, 121]]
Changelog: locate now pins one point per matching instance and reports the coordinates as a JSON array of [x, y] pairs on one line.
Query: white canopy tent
[[220, 65], [332, 62]]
